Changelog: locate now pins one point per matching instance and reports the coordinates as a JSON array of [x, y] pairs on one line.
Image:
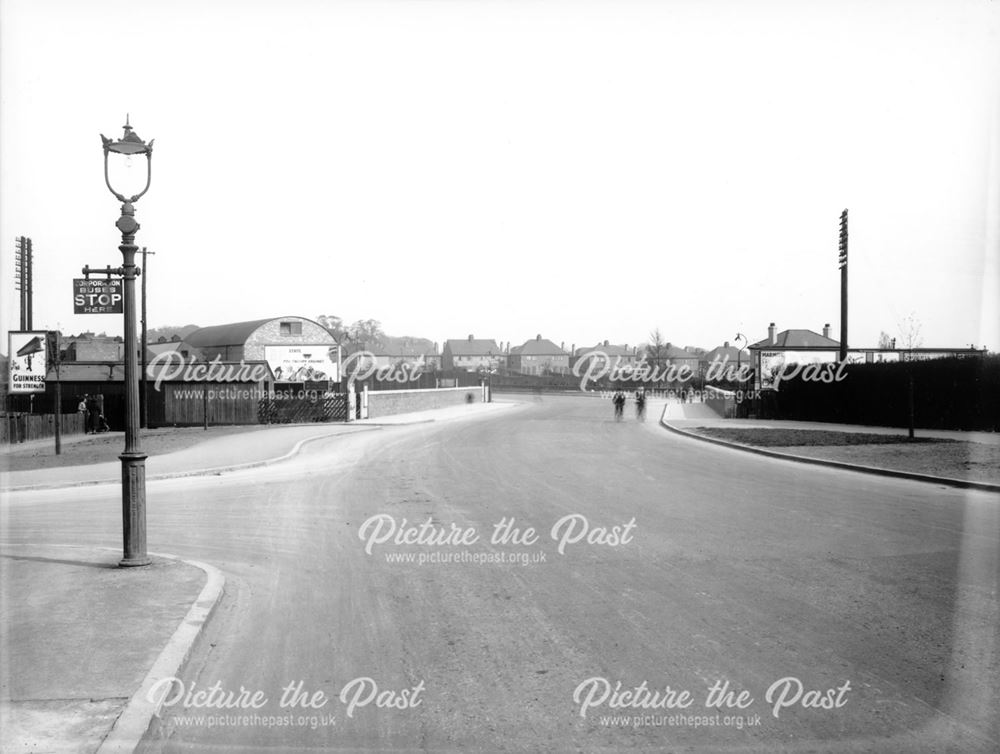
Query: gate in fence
[[293, 409]]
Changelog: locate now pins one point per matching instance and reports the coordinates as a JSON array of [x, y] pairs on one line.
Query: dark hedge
[[949, 393]]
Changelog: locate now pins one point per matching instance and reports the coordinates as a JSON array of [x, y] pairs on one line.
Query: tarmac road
[[879, 594]]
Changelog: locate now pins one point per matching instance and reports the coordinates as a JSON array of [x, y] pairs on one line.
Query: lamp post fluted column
[[133, 459]]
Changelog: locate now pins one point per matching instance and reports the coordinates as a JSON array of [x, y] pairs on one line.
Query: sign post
[[98, 296]]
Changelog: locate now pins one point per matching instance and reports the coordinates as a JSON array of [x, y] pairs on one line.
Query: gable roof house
[[726, 358], [795, 339], [471, 354], [405, 351], [539, 356], [617, 354], [790, 346]]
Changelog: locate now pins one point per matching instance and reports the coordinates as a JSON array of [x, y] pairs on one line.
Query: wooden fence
[[186, 404], [19, 427]]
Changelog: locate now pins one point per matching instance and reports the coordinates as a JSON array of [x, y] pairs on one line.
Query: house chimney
[[572, 349], [606, 343], [538, 337], [772, 335], [726, 344], [471, 338], [826, 330], [562, 345]]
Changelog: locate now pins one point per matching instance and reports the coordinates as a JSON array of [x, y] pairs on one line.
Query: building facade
[[295, 348], [539, 356], [471, 354], [778, 349]]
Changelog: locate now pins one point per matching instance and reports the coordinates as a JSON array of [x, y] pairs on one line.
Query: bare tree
[[657, 348], [909, 332]]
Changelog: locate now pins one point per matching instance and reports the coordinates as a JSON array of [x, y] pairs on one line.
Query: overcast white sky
[[586, 170]]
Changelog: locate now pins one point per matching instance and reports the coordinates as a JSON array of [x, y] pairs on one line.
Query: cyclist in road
[[640, 404], [619, 401]]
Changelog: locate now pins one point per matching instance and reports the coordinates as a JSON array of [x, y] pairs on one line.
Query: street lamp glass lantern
[[123, 176]]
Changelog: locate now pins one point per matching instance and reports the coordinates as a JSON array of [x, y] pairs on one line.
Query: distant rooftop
[[796, 339], [472, 347]]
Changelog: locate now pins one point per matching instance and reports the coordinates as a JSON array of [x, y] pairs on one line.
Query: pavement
[[685, 417], [111, 636], [90, 638], [229, 452]]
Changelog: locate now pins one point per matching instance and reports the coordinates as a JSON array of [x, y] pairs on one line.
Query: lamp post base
[[134, 562], [134, 510]]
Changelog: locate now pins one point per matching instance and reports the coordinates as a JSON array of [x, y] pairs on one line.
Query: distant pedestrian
[[93, 414], [640, 405], [619, 401]]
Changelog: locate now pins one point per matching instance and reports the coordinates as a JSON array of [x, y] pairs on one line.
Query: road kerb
[[135, 719], [181, 474], [963, 483]]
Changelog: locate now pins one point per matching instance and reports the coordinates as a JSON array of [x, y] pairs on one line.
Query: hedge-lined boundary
[[950, 393]]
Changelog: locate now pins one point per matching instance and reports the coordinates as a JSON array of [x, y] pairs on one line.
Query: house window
[[291, 328]]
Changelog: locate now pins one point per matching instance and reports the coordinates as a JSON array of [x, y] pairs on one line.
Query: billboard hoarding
[[28, 362], [302, 363]]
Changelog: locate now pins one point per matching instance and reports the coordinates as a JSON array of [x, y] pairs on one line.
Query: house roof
[[607, 348], [796, 339], [155, 349], [731, 354], [673, 352], [106, 371], [472, 347], [115, 372], [539, 346], [233, 334], [236, 333], [404, 347]]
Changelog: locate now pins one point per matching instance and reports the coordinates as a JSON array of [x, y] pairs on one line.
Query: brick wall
[[388, 402]]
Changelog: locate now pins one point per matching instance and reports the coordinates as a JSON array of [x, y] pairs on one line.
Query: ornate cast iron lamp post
[[133, 459], [739, 352]]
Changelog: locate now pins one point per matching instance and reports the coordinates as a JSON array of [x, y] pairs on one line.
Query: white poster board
[[28, 362], [303, 363]]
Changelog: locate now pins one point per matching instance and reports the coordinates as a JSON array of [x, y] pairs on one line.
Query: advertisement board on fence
[[28, 362], [98, 296]]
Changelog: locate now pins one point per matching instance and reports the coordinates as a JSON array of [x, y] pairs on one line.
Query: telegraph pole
[[55, 345], [143, 398], [843, 285], [22, 269]]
